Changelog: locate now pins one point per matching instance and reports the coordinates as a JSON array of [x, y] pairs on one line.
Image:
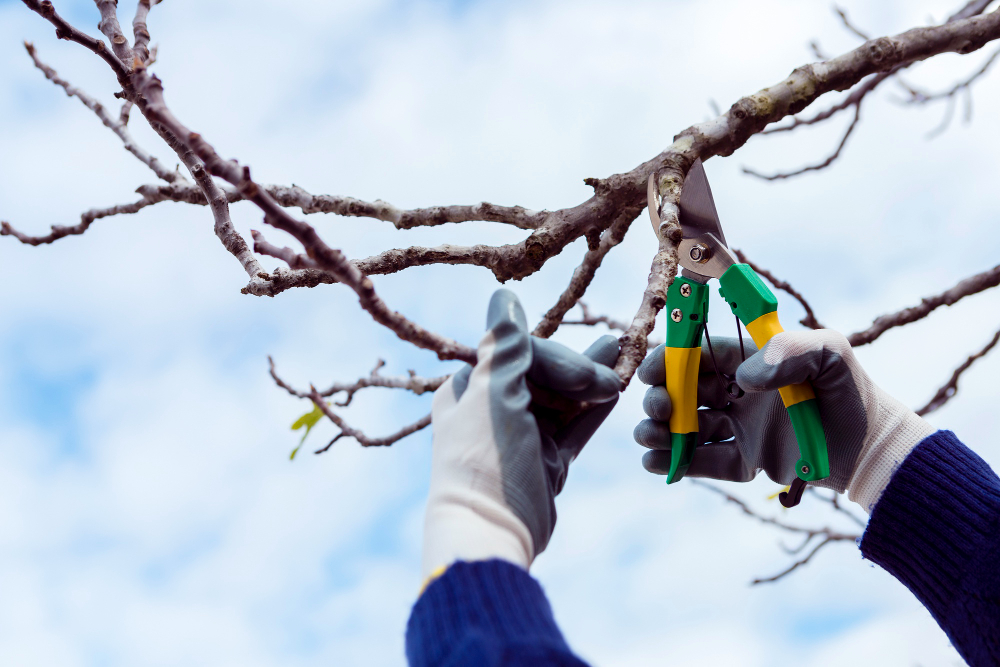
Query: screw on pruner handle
[[793, 496]]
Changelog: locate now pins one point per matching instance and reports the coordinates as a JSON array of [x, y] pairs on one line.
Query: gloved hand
[[868, 432], [499, 460]]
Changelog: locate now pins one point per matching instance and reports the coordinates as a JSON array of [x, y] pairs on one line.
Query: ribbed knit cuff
[[484, 609], [937, 530]]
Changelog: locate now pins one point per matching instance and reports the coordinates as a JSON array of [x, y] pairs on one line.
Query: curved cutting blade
[[698, 214]]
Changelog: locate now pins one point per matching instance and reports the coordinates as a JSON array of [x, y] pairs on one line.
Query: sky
[[149, 513]]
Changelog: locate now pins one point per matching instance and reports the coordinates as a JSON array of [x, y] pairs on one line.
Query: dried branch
[[721, 136], [363, 440], [969, 286], [945, 393], [589, 319], [810, 319], [802, 561], [113, 31], [140, 32], [86, 219], [828, 535], [116, 125], [635, 341], [411, 382], [582, 277], [850, 26], [816, 167], [918, 97]]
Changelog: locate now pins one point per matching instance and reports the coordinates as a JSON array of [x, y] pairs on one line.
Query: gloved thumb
[[794, 357]]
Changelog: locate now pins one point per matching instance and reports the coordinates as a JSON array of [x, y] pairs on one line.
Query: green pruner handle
[[687, 308], [755, 306]]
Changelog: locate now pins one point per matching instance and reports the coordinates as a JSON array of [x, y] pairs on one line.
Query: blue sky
[[148, 510]]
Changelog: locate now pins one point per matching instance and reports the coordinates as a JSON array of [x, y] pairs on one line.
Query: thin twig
[[116, 125], [967, 287], [815, 167], [810, 319], [828, 535], [850, 26], [411, 382], [350, 432], [945, 393]]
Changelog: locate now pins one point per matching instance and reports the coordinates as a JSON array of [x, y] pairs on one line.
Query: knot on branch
[[881, 49], [600, 185]]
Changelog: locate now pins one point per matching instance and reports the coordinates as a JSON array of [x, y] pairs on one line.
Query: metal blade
[[653, 203], [698, 214]]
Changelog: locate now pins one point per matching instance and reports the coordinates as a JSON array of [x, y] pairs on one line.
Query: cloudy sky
[[149, 514]]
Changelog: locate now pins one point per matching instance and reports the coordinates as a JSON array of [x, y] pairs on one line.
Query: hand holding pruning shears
[[824, 419]]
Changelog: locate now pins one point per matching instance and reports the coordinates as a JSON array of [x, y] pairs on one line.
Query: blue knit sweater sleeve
[[937, 530], [487, 614]]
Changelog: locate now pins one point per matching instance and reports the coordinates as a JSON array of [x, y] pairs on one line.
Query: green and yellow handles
[[687, 308], [757, 308]]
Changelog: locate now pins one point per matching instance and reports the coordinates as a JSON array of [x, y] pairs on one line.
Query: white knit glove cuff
[[899, 431]]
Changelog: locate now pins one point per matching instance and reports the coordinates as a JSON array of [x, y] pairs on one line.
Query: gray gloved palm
[[499, 459], [738, 437]]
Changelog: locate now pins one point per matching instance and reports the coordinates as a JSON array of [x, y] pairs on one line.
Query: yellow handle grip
[[763, 329]]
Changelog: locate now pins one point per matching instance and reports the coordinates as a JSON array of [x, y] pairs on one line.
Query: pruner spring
[[726, 382]]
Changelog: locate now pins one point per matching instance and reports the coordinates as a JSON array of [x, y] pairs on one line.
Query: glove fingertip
[[652, 370], [604, 350]]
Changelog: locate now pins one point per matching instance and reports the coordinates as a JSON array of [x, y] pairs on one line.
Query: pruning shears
[[704, 255]]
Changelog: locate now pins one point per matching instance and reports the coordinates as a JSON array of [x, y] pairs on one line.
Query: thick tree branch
[[810, 319], [969, 286], [945, 393], [66, 31]]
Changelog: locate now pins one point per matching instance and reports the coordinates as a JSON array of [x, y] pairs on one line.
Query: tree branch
[[810, 319], [86, 219], [582, 277], [816, 167], [363, 440], [945, 393], [971, 285], [829, 535], [411, 382], [116, 125]]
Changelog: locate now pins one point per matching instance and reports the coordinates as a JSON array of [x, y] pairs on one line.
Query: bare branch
[[816, 167], [66, 31], [589, 319], [918, 97], [802, 561], [582, 277], [113, 31], [828, 535], [945, 393], [411, 382], [140, 32], [969, 286], [363, 440], [850, 26], [635, 341], [853, 99], [86, 219], [116, 125], [810, 319]]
